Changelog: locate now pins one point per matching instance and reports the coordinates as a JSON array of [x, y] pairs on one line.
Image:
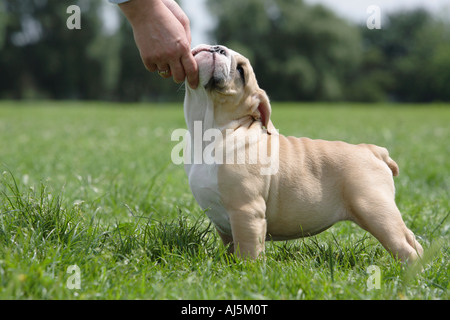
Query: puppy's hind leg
[[380, 216]]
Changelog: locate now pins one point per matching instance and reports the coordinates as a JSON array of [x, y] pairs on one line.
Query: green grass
[[93, 185]]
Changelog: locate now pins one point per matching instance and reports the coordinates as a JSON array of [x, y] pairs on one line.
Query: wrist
[[118, 1], [140, 10]]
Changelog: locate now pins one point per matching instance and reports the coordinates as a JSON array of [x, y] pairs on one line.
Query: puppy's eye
[[240, 69]]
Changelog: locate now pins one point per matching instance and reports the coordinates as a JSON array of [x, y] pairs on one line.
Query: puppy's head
[[230, 83]]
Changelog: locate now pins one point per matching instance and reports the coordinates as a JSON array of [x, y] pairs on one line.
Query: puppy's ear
[[261, 108]]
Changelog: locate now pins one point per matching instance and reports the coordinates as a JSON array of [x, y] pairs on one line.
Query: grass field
[[91, 207]]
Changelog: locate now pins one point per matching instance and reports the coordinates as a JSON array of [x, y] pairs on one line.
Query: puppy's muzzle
[[219, 49], [213, 64], [212, 49]]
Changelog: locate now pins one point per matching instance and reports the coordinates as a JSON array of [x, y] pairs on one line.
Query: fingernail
[[193, 85]]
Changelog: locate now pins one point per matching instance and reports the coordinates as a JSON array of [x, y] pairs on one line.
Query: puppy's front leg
[[249, 227]]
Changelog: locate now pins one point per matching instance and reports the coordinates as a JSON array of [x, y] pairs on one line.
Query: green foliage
[[42, 58], [299, 52], [408, 59], [303, 52]]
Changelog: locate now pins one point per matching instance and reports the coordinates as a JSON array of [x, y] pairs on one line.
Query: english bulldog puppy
[[256, 184]]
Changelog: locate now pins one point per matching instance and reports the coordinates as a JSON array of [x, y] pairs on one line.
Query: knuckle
[[178, 78], [184, 20], [148, 60], [186, 45], [150, 66]]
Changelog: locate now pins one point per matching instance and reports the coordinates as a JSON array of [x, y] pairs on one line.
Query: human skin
[[162, 34]]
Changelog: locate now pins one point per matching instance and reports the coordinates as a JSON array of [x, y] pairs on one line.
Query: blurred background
[[319, 50]]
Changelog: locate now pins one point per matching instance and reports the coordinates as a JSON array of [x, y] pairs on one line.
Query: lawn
[[91, 207]]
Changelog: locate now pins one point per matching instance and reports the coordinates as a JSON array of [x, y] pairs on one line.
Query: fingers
[[177, 71], [165, 72], [163, 38], [171, 64], [180, 69], [185, 68], [191, 68], [187, 59]]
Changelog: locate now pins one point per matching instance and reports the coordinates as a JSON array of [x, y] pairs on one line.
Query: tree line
[[299, 52]]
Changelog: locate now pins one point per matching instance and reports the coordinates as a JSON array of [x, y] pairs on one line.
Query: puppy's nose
[[218, 49]]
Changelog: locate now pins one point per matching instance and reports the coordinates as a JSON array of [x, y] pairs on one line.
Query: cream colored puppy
[[256, 184]]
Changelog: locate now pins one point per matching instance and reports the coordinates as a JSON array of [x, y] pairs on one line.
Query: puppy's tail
[[383, 154], [391, 164]]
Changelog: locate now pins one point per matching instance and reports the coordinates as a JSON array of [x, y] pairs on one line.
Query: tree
[[41, 57], [409, 59], [299, 52]]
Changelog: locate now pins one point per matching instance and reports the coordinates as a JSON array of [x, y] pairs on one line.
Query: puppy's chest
[[204, 187]]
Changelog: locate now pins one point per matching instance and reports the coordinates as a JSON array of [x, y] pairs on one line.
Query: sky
[[353, 10]]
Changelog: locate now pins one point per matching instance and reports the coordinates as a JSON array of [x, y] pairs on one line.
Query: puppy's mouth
[[213, 62]]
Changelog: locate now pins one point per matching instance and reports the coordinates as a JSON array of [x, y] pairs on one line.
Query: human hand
[[162, 34]]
